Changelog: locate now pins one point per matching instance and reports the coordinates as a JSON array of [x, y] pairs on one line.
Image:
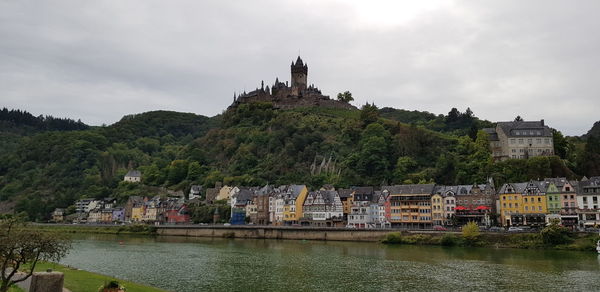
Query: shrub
[[449, 240], [470, 233], [393, 238], [555, 234]]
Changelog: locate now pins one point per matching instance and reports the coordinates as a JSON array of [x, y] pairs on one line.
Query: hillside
[[594, 131], [254, 144]]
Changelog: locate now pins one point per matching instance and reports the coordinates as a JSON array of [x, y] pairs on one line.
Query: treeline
[[256, 144], [19, 118], [455, 122]]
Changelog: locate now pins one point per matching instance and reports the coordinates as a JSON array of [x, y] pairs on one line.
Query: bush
[[393, 238], [470, 233], [554, 234], [449, 240]]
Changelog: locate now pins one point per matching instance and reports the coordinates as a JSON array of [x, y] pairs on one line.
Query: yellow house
[[510, 196], [294, 200], [437, 209], [523, 204], [137, 213], [347, 197]]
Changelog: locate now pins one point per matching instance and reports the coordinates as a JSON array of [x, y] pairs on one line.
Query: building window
[[520, 141], [512, 141], [514, 151], [547, 141], [538, 141]]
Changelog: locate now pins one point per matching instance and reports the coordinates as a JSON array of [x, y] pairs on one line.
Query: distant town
[[415, 206]]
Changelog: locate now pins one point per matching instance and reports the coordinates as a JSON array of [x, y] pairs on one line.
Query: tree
[[555, 234], [345, 97], [470, 233], [21, 249], [560, 144], [369, 113]]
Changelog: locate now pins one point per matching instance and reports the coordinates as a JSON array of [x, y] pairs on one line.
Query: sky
[[100, 60]]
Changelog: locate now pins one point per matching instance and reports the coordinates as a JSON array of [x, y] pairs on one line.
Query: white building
[[133, 176]]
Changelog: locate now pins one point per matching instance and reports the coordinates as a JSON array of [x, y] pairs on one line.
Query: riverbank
[[577, 241], [83, 281], [138, 229]]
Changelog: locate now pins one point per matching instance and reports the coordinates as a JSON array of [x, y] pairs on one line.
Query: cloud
[[101, 60]]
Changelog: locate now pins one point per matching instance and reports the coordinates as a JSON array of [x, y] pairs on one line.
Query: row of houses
[[533, 203], [137, 209]]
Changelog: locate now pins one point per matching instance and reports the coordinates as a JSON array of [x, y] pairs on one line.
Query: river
[[205, 264]]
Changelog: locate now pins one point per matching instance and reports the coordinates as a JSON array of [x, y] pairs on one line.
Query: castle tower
[[299, 75]]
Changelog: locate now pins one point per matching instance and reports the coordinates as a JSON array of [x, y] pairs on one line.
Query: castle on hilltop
[[283, 96]]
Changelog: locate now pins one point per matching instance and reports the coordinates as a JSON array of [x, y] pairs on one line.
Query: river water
[[204, 264]]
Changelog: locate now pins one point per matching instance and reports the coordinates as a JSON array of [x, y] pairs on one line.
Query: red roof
[[460, 208]]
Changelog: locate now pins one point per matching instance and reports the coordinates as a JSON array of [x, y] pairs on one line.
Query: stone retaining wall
[[265, 232]]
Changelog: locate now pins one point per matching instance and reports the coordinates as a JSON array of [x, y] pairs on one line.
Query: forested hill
[[256, 144], [24, 122]]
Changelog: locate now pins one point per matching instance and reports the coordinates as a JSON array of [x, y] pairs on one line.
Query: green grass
[[15, 289], [84, 281]]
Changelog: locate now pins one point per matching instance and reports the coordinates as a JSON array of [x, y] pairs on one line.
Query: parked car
[[439, 228], [496, 229], [227, 224], [351, 226], [515, 229]]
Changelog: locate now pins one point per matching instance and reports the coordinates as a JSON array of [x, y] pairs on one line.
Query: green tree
[[404, 166], [177, 171], [470, 233], [560, 144], [195, 171], [369, 113], [345, 97], [589, 162], [554, 234], [22, 248]]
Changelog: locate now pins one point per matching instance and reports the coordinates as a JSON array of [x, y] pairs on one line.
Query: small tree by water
[[470, 233], [555, 234], [22, 248]]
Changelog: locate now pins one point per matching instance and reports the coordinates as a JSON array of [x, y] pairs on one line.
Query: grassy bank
[[84, 281], [109, 229], [577, 241]]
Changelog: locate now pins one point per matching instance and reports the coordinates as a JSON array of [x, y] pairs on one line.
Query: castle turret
[[299, 75]]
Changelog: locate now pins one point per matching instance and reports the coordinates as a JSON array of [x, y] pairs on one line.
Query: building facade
[[520, 139]]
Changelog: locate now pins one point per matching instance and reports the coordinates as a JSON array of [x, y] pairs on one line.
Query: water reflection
[[214, 264]]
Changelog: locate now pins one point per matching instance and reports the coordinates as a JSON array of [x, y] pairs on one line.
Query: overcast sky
[[100, 60]]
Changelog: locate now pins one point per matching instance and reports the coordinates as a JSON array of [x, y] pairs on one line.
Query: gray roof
[[510, 128], [134, 173], [328, 196], [345, 193], [521, 187], [410, 189], [492, 133], [244, 196]]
